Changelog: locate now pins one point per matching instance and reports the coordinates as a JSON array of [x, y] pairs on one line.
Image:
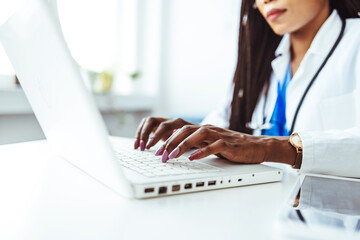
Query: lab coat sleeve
[[221, 114], [335, 152]]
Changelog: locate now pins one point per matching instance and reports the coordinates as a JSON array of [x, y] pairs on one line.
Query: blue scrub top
[[278, 118]]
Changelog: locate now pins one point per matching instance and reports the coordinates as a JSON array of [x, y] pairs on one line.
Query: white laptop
[[68, 115]]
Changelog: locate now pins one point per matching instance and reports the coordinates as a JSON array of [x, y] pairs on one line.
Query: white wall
[[200, 48], [186, 49]]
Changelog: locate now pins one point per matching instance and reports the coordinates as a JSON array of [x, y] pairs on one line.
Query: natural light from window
[[90, 28]]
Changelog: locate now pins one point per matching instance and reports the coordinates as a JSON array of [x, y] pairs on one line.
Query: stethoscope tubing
[[317, 74], [265, 126]]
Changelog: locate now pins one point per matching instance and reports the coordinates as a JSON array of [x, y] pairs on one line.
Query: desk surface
[[43, 197]]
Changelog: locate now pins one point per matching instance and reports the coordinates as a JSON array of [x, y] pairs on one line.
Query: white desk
[[43, 197]]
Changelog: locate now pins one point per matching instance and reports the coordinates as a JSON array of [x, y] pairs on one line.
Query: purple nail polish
[[149, 143], [158, 152], [195, 155], [164, 156], [174, 153], [136, 144], [142, 145]]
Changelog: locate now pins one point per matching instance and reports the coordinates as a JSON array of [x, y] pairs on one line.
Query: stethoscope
[[267, 125]]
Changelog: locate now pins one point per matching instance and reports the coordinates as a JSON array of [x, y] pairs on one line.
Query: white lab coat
[[329, 119]]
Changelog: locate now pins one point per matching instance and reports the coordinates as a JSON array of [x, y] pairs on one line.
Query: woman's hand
[[161, 127], [234, 146]]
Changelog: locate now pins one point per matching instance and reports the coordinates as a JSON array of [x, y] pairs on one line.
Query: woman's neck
[[301, 39]]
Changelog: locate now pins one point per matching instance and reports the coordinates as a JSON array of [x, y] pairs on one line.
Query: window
[[6, 70], [113, 35]]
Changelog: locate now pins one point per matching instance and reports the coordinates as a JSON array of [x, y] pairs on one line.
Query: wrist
[[280, 150]]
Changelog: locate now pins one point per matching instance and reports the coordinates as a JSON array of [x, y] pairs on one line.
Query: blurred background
[[169, 58]]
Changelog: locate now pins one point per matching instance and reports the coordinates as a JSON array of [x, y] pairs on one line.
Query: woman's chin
[[279, 30]]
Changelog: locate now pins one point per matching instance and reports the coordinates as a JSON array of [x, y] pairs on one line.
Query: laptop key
[[147, 164]]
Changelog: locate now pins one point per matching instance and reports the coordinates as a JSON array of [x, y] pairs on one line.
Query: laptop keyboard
[[146, 163]]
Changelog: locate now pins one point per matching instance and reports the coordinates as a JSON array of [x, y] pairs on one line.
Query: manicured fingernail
[[142, 145], [195, 155], [149, 143], [136, 144], [158, 152], [174, 153], [164, 156]]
